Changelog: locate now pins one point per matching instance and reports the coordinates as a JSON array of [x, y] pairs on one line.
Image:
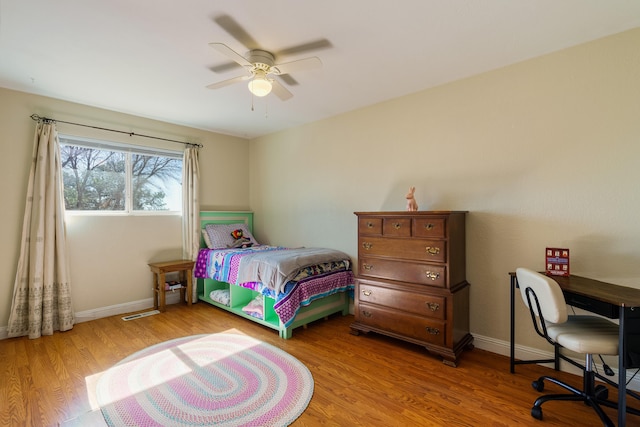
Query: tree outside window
[[120, 179]]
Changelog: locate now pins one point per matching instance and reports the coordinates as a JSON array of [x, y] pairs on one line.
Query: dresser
[[411, 281]]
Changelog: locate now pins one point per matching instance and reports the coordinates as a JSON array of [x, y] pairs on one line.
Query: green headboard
[[225, 217]]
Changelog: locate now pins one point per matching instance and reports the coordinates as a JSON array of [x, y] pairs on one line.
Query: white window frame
[[128, 149]]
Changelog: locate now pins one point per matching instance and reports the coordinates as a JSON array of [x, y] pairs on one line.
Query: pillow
[[221, 295], [205, 237], [220, 235], [254, 308]]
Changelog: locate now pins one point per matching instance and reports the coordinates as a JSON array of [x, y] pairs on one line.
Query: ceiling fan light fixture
[[259, 85]]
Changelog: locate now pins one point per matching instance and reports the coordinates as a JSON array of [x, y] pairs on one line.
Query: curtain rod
[[37, 118]]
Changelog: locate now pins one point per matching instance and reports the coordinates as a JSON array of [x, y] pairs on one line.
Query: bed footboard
[[239, 297], [318, 309]]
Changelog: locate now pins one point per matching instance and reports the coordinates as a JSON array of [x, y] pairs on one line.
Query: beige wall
[[541, 153], [109, 255]]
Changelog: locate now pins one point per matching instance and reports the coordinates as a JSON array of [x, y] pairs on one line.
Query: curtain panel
[[41, 300], [190, 207]]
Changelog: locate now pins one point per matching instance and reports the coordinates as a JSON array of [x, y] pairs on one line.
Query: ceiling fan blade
[[305, 47], [222, 68], [299, 65], [280, 91], [230, 53], [228, 82], [236, 31], [288, 79]]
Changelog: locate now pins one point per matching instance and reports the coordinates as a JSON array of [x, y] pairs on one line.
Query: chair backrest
[[552, 303]]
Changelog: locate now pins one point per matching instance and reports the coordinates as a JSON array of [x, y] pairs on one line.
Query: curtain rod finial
[[40, 119]]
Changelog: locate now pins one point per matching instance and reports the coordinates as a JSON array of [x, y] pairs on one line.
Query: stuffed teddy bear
[[240, 240]]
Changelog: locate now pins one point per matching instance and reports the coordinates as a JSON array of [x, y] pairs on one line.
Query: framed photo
[[557, 261]]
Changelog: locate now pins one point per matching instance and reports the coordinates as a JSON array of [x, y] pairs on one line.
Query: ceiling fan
[[260, 65]]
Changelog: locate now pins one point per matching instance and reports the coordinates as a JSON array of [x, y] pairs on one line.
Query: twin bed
[[281, 288]]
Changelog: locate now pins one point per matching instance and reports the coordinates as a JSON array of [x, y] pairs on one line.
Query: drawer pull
[[432, 275], [367, 245], [429, 226], [397, 225], [432, 251], [366, 313], [367, 267], [432, 331], [366, 292], [369, 224], [433, 306]]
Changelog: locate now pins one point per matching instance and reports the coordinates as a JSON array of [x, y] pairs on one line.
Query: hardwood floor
[[367, 380]]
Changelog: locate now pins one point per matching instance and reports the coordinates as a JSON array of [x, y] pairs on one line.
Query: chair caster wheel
[[538, 385], [536, 412], [601, 392]]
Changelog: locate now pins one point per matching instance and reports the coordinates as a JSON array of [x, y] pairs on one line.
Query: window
[[102, 176]]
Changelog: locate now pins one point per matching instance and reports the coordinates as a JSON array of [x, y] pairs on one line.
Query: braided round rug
[[220, 379]]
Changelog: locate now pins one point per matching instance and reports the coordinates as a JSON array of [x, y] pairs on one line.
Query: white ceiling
[[152, 58]]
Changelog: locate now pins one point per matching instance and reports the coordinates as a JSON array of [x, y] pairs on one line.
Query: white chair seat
[[586, 335]]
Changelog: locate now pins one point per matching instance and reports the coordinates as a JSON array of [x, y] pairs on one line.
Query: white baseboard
[[112, 310], [525, 353]]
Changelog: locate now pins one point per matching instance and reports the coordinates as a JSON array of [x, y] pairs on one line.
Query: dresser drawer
[[429, 227], [370, 226], [396, 227], [409, 325], [413, 249], [432, 306], [426, 274]]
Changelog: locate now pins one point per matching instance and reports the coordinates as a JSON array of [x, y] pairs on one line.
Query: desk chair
[[588, 335]]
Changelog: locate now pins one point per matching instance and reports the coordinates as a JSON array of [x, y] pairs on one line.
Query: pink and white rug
[[220, 379]]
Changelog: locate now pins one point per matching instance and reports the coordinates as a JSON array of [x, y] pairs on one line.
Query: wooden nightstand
[[159, 269]]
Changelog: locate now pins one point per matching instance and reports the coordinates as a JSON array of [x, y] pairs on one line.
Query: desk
[[606, 299]]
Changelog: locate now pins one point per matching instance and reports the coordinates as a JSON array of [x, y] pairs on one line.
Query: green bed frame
[[239, 296]]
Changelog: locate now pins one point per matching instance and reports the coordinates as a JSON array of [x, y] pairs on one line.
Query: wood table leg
[[189, 287], [156, 291], [161, 292]]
